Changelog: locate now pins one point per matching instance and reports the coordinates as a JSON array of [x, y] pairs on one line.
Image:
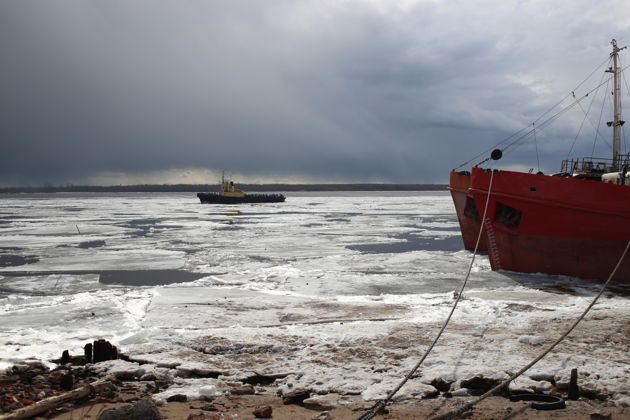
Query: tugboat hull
[[214, 198]]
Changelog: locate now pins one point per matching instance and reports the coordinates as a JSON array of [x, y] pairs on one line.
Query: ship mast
[[617, 122]]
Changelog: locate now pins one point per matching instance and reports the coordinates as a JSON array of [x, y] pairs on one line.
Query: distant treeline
[[215, 187]]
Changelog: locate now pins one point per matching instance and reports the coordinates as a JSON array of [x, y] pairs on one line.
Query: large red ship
[[574, 223]]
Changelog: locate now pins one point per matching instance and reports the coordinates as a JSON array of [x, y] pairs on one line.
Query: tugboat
[[574, 223], [229, 194]]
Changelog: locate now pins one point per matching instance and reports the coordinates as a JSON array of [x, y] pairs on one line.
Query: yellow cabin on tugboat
[[229, 190]]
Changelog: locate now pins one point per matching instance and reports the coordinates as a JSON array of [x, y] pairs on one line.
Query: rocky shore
[[106, 384]]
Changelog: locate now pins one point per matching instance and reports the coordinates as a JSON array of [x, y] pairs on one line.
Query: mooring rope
[[382, 403], [503, 384]]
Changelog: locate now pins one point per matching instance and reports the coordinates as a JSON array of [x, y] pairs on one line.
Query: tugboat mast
[[617, 122]]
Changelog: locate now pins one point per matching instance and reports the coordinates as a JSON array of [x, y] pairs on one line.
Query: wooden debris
[[52, 402], [574, 389], [87, 350]]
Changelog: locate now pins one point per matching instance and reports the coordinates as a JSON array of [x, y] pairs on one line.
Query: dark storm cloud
[[346, 90]]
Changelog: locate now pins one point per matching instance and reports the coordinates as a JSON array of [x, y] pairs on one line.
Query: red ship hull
[[554, 225], [467, 214]]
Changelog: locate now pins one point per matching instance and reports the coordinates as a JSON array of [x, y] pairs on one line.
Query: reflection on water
[[147, 277], [10, 260], [412, 243]]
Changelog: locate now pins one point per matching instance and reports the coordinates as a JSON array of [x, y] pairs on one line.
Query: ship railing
[[593, 165]]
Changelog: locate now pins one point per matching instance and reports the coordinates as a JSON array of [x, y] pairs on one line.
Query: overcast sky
[[111, 92]]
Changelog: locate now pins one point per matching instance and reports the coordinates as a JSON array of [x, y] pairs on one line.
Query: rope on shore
[[503, 384], [382, 403]]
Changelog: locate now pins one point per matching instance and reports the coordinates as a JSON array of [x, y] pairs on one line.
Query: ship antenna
[[617, 122]]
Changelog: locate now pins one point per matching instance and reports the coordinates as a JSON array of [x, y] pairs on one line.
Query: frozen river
[[342, 290]]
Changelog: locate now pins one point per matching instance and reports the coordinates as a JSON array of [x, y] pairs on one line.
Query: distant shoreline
[[215, 187]]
